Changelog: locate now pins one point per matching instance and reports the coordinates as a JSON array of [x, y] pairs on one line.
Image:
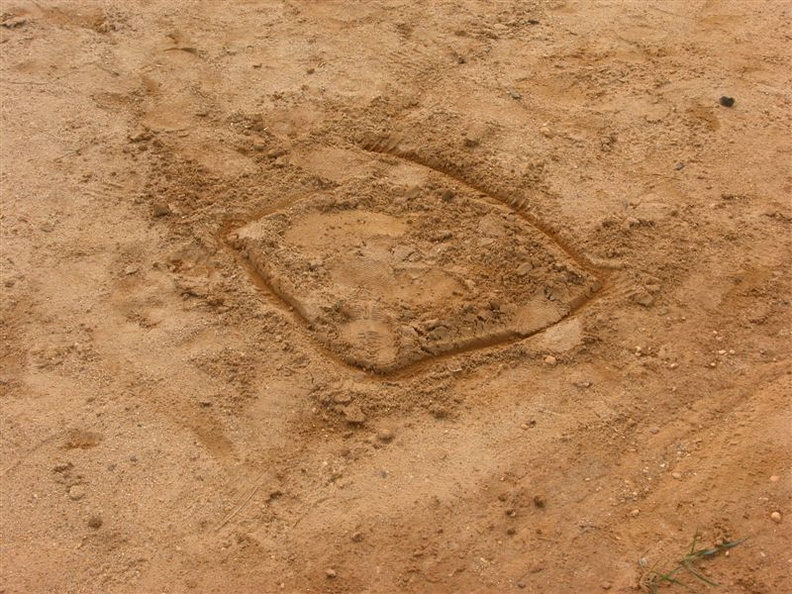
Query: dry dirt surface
[[460, 296]]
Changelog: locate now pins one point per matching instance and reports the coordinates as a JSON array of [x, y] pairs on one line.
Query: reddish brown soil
[[390, 296]]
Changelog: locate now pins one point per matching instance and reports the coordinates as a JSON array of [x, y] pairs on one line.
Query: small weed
[[652, 579]]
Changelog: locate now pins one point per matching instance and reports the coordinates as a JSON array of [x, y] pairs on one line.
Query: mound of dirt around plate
[[386, 277]]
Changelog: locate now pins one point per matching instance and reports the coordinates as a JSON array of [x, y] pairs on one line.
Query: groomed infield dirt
[[385, 296]]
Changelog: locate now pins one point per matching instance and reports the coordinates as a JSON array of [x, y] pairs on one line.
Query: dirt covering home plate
[[386, 273]]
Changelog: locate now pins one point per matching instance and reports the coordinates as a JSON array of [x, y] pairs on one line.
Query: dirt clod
[[160, 209], [76, 492], [95, 522]]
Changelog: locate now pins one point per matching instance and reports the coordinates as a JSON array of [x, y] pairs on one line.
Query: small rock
[[677, 475], [342, 397], [606, 585], [654, 430], [524, 268], [131, 269], [521, 585], [160, 209], [276, 152], [550, 360], [353, 414], [331, 573], [385, 435], [726, 101], [776, 517], [140, 134], [643, 297], [539, 501], [774, 478], [635, 513], [356, 537], [95, 522], [76, 492]]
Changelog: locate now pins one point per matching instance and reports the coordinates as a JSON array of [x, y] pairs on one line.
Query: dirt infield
[[388, 296]]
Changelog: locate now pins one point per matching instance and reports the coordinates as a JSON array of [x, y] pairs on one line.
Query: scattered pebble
[[774, 478], [385, 435], [643, 298], [354, 415], [606, 585], [524, 268], [356, 537], [95, 522], [726, 101], [654, 430], [76, 492], [776, 517], [635, 513], [160, 209], [550, 360], [677, 475], [539, 501], [331, 573]]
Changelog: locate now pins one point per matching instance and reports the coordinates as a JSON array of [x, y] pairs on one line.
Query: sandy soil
[[395, 296]]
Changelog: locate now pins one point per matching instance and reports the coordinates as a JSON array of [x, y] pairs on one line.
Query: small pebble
[[77, 492], [331, 573], [385, 435], [356, 537], [726, 101], [654, 430], [776, 517], [774, 478], [539, 501], [677, 475], [550, 360], [635, 513], [606, 585]]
